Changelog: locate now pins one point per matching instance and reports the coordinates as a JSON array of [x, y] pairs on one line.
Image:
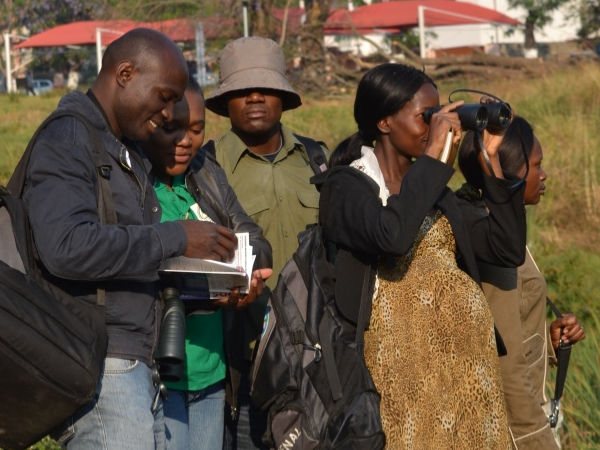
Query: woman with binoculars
[[431, 346]]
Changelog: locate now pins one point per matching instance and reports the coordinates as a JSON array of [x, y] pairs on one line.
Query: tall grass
[[563, 230], [582, 391], [20, 116]]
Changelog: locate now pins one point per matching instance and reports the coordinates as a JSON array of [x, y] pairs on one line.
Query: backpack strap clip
[[105, 171], [316, 155]]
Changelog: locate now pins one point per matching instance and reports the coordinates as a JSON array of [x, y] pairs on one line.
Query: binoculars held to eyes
[[478, 116]]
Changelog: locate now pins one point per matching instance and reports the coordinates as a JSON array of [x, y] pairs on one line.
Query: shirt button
[[155, 209], [281, 198], [285, 234]]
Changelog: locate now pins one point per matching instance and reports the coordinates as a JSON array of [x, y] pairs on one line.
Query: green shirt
[[277, 195], [205, 358]]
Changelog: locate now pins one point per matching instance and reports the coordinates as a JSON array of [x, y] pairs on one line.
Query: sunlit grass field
[[563, 236]]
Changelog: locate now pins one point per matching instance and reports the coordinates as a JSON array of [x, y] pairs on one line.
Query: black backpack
[[52, 346], [309, 371]]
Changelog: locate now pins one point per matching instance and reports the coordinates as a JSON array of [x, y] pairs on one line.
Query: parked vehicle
[[41, 85]]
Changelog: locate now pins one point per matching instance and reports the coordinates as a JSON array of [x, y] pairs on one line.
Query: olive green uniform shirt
[[277, 195], [520, 316]]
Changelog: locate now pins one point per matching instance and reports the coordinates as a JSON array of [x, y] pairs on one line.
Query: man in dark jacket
[[143, 74]]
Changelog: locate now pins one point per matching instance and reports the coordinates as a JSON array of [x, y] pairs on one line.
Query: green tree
[[38, 15], [539, 13], [31, 16], [312, 48], [589, 14], [151, 10], [156, 10]]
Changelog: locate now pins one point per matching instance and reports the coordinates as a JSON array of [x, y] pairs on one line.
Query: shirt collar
[[236, 149], [176, 184]]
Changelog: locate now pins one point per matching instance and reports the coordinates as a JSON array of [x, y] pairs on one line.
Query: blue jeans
[[195, 419], [121, 417]]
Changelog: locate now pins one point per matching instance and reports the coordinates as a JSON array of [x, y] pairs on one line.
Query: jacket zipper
[[125, 163], [157, 320]]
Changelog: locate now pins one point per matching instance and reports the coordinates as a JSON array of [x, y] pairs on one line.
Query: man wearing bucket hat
[[269, 168]]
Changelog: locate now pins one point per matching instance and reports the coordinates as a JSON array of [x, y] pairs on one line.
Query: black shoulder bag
[[52, 346]]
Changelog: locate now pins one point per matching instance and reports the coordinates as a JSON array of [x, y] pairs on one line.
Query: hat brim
[[252, 79]]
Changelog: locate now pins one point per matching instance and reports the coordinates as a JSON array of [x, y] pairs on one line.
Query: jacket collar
[[77, 100]]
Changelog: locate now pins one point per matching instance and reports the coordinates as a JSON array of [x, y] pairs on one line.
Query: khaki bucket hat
[[251, 62]]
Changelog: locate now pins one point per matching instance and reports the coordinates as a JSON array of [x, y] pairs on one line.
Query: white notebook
[[198, 279]]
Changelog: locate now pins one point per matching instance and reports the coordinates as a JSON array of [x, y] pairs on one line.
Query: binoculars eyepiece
[[478, 116], [499, 115]]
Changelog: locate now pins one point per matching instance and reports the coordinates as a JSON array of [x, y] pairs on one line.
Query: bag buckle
[[554, 412], [161, 389]]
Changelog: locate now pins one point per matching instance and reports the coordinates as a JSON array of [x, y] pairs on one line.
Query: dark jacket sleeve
[[217, 191], [497, 223], [61, 201], [353, 217]]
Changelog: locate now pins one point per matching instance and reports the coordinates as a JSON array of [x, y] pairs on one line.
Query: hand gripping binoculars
[[492, 116]]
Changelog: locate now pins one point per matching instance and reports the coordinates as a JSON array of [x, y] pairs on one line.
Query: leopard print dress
[[431, 351]]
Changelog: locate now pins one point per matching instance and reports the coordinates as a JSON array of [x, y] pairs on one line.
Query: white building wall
[[562, 27], [357, 45], [468, 35]]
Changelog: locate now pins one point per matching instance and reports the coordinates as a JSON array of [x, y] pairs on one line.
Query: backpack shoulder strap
[[364, 310], [106, 208], [14, 245], [316, 155]]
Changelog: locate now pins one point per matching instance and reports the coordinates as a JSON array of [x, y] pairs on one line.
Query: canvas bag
[[52, 346], [309, 372]]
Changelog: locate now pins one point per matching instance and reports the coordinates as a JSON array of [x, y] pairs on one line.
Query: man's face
[[254, 111], [149, 96]]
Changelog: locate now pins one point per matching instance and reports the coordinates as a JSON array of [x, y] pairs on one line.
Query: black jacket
[[78, 253], [363, 230], [207, 182]]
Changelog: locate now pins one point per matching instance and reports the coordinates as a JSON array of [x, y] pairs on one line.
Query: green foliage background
[[563, 235]]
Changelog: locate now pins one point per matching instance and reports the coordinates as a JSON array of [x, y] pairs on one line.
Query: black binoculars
[[170, 353], [478, 116]]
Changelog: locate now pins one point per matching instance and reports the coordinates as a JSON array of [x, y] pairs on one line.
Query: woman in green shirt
[[193, 186]]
